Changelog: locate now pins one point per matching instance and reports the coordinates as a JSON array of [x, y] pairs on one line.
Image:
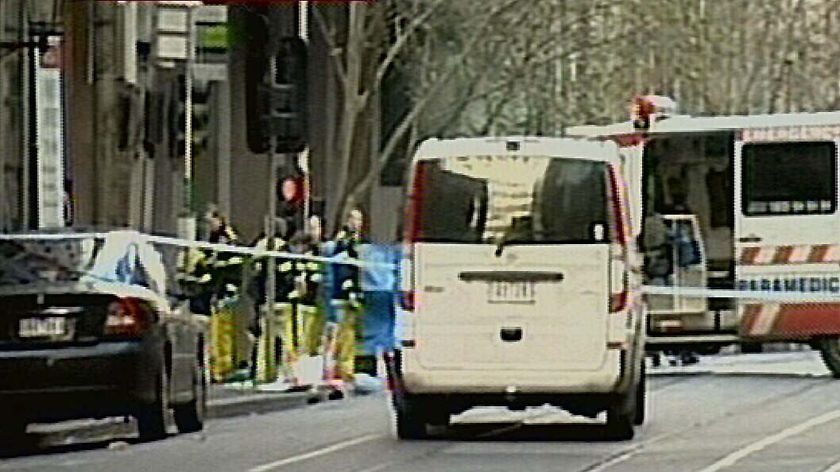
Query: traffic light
[[275, 105], [255, 35], [287, 118], [291, 194]]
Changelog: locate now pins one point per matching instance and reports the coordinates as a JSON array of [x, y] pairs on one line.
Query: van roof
[[435, 148], [695, 124]]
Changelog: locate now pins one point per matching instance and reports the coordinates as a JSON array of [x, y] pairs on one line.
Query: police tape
[[189, 244], [701, 292], [660, 290]]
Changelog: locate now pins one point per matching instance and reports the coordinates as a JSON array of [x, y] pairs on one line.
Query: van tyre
[[11, 428], [623, 414], [830, 352], [620, 421], [151, 417], [641, 399], [189, 417], [411, 422]]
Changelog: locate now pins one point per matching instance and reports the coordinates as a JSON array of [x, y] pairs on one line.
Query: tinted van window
[[522, 199]]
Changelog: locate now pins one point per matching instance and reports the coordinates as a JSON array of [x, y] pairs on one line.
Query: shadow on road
[[544, 432], [38, 443]]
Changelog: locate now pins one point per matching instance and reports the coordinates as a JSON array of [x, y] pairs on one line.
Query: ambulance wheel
[[830, 352], [752, 348], [411, 422]]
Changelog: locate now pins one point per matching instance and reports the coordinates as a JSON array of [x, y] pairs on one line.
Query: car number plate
[[511, 292], [42, 327]]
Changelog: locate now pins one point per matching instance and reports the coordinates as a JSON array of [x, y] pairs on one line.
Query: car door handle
[[749, 239]]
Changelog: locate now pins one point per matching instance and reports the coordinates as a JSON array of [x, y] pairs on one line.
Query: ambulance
[[739, 223]]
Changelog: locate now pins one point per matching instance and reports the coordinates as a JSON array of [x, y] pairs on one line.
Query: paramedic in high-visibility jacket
[[343, 294]]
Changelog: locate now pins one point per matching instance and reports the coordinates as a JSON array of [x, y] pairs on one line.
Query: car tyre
[[189, 417], [151, 417]]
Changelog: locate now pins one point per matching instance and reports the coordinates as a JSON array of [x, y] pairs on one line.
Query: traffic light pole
[[188, 106], [303, 157], [271, 262]]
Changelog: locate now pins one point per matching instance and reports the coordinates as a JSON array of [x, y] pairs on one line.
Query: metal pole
[[188, 105], [26, 132], [303, 157], [271, 263]]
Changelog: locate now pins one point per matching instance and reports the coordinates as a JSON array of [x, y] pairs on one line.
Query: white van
[[521, 281]]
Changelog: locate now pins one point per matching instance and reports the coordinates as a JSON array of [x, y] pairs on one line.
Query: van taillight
[[128, 317], [619, 283], [408, 300], [618, 301], [413, 219]]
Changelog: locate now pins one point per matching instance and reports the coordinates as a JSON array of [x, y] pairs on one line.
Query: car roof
[[575, 148]]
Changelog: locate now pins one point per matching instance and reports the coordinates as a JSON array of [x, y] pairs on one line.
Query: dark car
[[89, 328]]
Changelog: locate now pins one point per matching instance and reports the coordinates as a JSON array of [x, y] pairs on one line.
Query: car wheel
[[830, 352], [189, 417], [151, 417], [641, 399], [411, 423]]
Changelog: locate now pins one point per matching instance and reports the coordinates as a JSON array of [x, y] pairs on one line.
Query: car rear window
[[25, 262], [521, 199], [789, 178]]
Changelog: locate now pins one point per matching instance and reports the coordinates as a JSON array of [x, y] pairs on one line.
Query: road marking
[[315, 453], [628, 453], [833, 468], [757, 446]]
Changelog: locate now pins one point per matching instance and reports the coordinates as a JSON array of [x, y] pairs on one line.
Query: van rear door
[[511, 263]]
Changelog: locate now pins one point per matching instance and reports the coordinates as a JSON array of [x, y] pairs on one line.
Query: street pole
[[303, 157], [271, 263], [188, 106]]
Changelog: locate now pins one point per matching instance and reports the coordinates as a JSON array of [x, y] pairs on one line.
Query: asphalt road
[[775, 412]]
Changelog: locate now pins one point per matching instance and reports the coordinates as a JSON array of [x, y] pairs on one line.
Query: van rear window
[[512, 199], [789, 178]]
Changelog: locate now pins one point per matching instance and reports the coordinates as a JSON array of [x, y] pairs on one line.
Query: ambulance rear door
[[786, 230]]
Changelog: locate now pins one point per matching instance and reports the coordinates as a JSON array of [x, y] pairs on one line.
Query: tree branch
[[341, 71]]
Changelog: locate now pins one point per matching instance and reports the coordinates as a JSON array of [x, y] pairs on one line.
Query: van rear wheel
[[830, 352], [641, 399], [411, 420], [620, 422]]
